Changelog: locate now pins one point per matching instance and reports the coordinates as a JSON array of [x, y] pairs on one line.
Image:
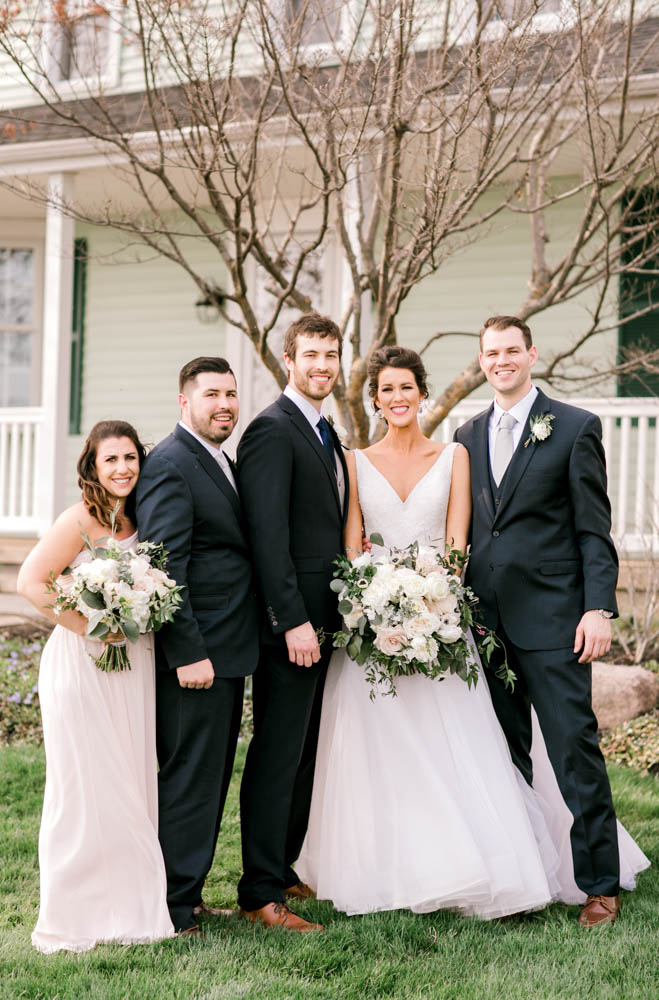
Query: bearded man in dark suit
[[293, 479], [188, 499], [544, 568]]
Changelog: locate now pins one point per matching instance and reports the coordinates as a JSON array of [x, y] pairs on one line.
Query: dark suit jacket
[[545, 554], [185, 501], [294, 513]]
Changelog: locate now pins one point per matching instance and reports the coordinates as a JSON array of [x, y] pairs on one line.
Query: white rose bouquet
[[118, 591], [407, 612]]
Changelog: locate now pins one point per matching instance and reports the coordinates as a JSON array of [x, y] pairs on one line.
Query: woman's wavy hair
[[95, 497]]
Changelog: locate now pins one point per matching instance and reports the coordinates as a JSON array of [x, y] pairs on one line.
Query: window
[[79, 40], [18, 333], [317, 22], [512, 11], [77, 334], [639, 290]]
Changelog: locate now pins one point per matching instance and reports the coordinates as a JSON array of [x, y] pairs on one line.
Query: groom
[[544, 569], [294, 480], [187, 498]]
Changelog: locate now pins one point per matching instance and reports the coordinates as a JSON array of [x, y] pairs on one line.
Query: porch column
[[56, 356]]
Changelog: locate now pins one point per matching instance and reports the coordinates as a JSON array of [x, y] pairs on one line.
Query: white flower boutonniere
[[340, 431], [540, 428]]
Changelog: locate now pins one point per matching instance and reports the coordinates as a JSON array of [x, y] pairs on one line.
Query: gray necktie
[[223, 463], [503, 447]]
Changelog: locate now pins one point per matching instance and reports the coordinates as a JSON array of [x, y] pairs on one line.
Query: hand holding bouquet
[[407, 612], [119, 590]]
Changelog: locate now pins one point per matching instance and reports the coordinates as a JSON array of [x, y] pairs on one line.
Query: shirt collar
[[212, 449], [520, 411], [308, 409]]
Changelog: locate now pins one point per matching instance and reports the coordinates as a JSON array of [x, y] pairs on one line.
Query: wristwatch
[[604, 613]]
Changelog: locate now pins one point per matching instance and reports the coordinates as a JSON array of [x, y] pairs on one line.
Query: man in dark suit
[[544, 568], [187, 499], [294, 483]]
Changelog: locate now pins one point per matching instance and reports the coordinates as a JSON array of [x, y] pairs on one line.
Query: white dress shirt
[[215, 451], [520, 411], [309, 411]]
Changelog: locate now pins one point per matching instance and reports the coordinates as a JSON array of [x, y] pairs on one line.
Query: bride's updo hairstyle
[[396, 357], [95, 497]]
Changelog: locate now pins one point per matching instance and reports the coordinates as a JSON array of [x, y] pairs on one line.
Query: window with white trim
[[514, 11], [18, 330], [81, 40], [318, 22]]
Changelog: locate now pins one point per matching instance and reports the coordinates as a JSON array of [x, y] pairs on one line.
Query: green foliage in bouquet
[[408, 612]]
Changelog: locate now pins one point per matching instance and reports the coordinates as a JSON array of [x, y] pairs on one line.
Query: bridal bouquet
[[407, 612], [119, 590]]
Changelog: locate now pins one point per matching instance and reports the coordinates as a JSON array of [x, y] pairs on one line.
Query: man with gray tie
[[544, 568]]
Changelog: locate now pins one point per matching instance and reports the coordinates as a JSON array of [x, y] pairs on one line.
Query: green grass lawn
[[384, 955]]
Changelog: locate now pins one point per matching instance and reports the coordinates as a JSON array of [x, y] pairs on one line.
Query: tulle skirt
[[416, 804]]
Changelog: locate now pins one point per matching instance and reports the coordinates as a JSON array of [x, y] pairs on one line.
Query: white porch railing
[[631, 441], [630, 430], [19, 461]]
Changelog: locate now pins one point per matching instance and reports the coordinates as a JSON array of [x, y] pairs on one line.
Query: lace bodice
[[421, 517]]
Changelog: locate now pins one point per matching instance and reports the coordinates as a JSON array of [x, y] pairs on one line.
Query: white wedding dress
[[416, 803], [101, 867]]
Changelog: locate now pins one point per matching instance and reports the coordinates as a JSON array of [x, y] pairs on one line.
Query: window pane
[[15, 368], [320, 21], [16, 286]]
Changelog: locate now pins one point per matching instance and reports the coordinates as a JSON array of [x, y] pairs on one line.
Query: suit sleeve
[[265, 469], [165, 513], [592, 517]]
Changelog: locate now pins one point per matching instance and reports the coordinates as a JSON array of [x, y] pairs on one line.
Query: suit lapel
[[523, 453], [211, 467], [480, 464], [305, 428]]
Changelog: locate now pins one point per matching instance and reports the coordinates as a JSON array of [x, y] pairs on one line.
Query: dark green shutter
[[639, 290], [77, 334]]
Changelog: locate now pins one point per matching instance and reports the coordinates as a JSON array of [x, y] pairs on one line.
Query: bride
[[416, 803]]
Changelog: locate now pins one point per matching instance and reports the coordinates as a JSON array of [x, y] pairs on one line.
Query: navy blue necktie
[[328, 442]]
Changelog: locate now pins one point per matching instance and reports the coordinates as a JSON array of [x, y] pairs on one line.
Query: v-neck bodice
[[420, 517]]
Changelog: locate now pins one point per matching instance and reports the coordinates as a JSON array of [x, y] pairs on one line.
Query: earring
[[377, 412], [423, 406]]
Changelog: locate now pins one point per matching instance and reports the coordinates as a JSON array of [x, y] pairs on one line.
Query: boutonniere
[[340, 431], [540, 428]]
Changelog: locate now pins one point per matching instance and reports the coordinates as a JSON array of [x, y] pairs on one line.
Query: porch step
[[14, 609]]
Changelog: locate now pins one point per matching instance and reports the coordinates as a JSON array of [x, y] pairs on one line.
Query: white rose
[[414, 586], [449, 633], [426, 560], [389, 639], [423, 649], [423, 625], [97, 572], [437, 586], [376, 596], [139, 568], [447, 605], [363, 560], [540, 431]]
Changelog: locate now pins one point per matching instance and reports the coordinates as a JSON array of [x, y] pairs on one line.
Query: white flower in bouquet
[[412, 584], [390, 639], [423, 624], [422, 648], [363, 560], [447, 605], [437, 586], [449, 633], [376, 595], [426, 560]]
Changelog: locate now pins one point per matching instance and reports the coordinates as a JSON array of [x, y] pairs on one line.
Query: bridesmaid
[[102, 873]]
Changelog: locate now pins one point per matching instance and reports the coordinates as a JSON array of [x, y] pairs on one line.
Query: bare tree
[[400, 130]]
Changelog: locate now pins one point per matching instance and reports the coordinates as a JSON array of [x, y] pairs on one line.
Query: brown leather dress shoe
[[209, 911], [189, 931], [279, 915], [300, 891], [599, 910]]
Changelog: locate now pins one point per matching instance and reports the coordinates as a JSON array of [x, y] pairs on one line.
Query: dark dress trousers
[[296, 523], [185, 501], [542, 555]]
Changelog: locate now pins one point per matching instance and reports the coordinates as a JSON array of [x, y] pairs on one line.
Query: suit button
[[275, 622], [495, 534]]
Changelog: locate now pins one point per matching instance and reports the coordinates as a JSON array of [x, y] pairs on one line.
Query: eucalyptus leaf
[[337, 586], [92, 600], [130, 630], [376, 538], [345, 607]]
